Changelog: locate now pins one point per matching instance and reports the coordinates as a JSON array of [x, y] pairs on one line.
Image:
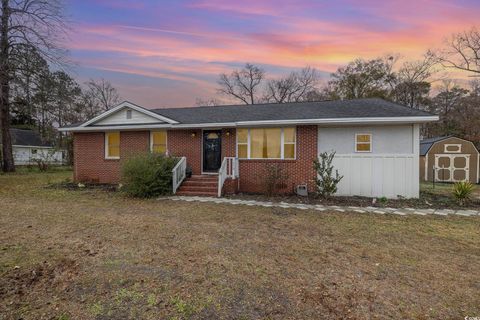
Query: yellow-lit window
[[266, 143], [289, 136], [363, 142], [112, 145], [242, 143], [158, 141]]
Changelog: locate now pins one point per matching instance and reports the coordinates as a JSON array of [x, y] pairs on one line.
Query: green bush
[[148, 175], [325, 180], [462, 191]]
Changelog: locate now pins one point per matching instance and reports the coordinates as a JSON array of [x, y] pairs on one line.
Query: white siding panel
[[377, 175], [385, 139], [120, 117], [25, 155]]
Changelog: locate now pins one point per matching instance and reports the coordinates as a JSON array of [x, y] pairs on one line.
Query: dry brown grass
[[97, 255]]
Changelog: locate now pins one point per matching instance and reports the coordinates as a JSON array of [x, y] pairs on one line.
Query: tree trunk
[[7, 153]]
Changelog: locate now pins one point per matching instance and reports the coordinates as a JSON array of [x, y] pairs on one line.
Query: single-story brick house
[[229, 148]]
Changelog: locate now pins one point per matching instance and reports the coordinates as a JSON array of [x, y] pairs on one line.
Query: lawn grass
[[92, 254]]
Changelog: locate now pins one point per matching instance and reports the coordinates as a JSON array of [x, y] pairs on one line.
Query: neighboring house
[[28, 146], [376, 144], [449, 159]]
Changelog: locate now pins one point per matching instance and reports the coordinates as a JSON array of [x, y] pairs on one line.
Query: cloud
[[190, 42]]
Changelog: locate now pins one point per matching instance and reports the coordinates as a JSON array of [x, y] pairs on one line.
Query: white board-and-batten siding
[[120, 117], [391, 168]]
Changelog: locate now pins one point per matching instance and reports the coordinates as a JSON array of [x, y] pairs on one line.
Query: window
[[266, 143], [242, 143], [112, 145], [452, 148], [129, 114], [158, 141], [363, 142]]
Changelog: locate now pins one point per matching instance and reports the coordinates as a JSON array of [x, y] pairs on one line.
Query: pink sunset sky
[[167, 53]]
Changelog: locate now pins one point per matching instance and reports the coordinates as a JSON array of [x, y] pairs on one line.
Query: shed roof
[[25, 137]]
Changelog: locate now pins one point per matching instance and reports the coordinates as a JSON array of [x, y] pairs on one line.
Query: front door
[[212, 150]]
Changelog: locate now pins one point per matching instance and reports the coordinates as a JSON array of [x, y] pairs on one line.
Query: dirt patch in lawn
[[90, 254]]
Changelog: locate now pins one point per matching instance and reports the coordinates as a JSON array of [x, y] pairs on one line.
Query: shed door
[[452, 167]]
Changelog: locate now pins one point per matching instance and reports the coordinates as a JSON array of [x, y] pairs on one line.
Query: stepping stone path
[[319, 207]]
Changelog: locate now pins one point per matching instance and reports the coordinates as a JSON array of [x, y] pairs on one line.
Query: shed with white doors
[[449, 159]]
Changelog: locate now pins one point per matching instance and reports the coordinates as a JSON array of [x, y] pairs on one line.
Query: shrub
[[43, 160], [462, 191], [148, 175], [325, 181], [274, 179]]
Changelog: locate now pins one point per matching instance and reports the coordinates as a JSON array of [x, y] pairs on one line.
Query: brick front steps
[[319, 207], [199, 185]]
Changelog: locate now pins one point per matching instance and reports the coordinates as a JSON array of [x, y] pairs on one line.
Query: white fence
[[376, 175]]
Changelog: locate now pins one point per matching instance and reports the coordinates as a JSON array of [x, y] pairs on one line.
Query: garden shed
[[448, 159]]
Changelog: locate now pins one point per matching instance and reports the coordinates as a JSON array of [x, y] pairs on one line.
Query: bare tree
[[363, 79], [412, 82], [210, 102], [242, 84], [33, 23], [297, 86], [463, 51], [103, 93]]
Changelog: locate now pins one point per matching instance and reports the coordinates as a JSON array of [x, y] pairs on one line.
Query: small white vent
[[129, 114]]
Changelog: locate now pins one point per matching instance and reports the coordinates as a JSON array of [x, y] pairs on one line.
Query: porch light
[[227, 133], [193, 134]]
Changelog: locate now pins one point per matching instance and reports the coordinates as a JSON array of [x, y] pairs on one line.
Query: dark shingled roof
[[426, 144], [23, 137], [359, 108]]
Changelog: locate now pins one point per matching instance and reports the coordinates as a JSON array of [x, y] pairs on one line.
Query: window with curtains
[[158, 141], [363, 142], [112, 145], [266, 143]]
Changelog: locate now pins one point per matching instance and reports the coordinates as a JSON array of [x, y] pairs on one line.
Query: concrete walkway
[[319, 207]]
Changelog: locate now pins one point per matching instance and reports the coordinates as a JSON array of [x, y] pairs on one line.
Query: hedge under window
[[266, 143], [158, 141], [112, 145]]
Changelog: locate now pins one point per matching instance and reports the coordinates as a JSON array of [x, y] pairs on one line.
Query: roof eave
[[339, 121]]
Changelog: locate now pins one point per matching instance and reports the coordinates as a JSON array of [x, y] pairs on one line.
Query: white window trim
[[166, 140], [445, 147], [106, 145], [282, 145], [357, 143]]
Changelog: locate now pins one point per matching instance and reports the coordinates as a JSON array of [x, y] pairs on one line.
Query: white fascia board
[[345, 121], [385, 120], [130, 105], [115, 128]]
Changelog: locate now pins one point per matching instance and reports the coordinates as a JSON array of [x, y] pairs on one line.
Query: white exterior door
[[452, 167]]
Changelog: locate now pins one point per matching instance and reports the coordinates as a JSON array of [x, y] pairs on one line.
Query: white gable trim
[[130, 105]]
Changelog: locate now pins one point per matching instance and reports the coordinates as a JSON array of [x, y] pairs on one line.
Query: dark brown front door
[[212, 150]]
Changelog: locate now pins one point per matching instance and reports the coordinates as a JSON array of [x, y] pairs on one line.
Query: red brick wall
[[299, 171], [90, 164], [181, 143]]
